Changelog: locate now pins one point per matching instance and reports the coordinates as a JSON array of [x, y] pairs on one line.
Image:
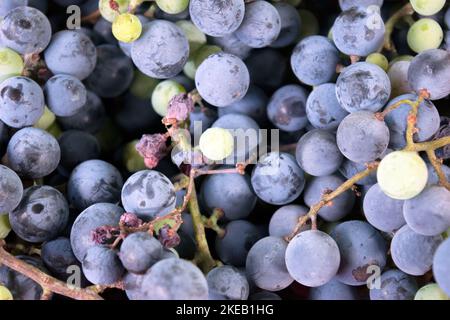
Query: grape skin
[[102, 266], [431, 292], [65, 95], [394, 285], [441, 266], [333, 290], [398, 75], [11, 190], [349, 168], [284, 219], [425, 34], [432, 175], [58, 256], [290, 25], [8, 5], [231, 44], [227, 283], [427, 7], [139, 251], [347, 4], [11, 64]]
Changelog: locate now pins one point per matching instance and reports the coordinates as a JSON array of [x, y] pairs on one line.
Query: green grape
[[142, 85], [204, 52], [216, 143], [402, 175], [5, 294], [55, 130], [378, 59], [11, 64], [109, 13], [195, 37], [46, 120], [424, 34], [310, 24], [132, 160], [431, 292], [109, 136], [5, 227], [427, 7], [127, 27], [162, 94], [189, 68], [172, 6]]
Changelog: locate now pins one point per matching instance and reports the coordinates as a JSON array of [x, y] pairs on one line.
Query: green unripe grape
[[204, 52], [11, 64], [189, 68], [162, 94], [109, 136], [446, 234], [310, 24], [196, 38], [5, 294], [172, 6], [5, 227], [427, 7], [55, 130], [431, 292], [109, 13], [378, 59], [424, 34], [402, 175], [127, 28], [142, 85], [216, 143], [46, 120], [132, 160]]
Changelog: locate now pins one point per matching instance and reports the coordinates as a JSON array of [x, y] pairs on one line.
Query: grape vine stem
[[404, 11]]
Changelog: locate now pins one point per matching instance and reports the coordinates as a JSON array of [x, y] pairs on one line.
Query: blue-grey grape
[[264, 295], [11, 189], [394, 285], [441, 266], [101, 265], [283, 221], [227, 283], [65, 95], [231, 44], [8, 5], [290, 25], [58, 256], [333, 290], [350, 168]]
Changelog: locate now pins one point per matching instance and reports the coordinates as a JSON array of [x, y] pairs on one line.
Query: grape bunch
[[225, 150]]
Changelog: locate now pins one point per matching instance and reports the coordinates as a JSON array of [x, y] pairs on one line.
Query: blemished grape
[[394, 285], [222, 79], [101, 265], [412, 252], [108, 12], [216, 143], [310, 251], [163, 93], [402, 175], [227, 283], [347, 4], [285, 218], [5, 294], [441, 266], [139, 251], [427, 7], [127, 28], [431, 291], [425, 34], [363, 86], [11, 64], [65, 95], [217, 18], [317, 153], [265, 265], [11, 190], [333, 290], [290, 25], [6, 6], [378, 59]]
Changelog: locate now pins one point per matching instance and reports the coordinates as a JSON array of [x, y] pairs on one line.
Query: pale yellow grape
[[46, 120], [172, 6], [189, 68], [5, 294], [402, 175], [142, 85], [216, 143], [427, 7], [424, 34], [11, 64], [164, 91], [5, 227], [378, 59], [431, 292], [127, 28], [108, 13], [195, 36], [132, 160]]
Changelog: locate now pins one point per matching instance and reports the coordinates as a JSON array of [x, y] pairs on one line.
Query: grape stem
[[91, 18], [406, 10], [212, 222], [437, 165]]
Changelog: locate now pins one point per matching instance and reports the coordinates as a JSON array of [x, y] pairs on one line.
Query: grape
[[398, 75], [11, 64], [441, 266], [90, 118], [290, 25], [21, 102], [80, 61], [108, 12], [240, 235], [41, 215], [378, 59], [97, 215], [227, 283], [358, 31], [361, 137], [427, 7], [230, 192], [163, 93], [277, 178], [8, 5], [127, 27], [314, 60], [447, 18], [402, 175], [196, 38], [131, 158], [261, 25], [267, 68], [265, 265], [323, 109], [139, 251], [430, 70], [203, 117], [148, 194], [317, 153], [58, 256], [25, 30], [363, 86], [286, 108], [94, 181], [101, 265], [431, 292], [347, 4], [222, 79], [142, 85], [216, 143], [361, 248], [5, 294], [394, 285], [217, 18], [204, 52], [443, 131], [427, 213], [161, 51], [413, 253], [46, 120], [231, 44], [103, 30], [283, 220], [11, 190], [427, 121], [350, 168], [264, 295], [172, 6], [173, 279], [33, 153], [432, 175], [65, 95], [5, 227], [425, 34], [342, 204], [381, 211], [333, 290], [310, 24]]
